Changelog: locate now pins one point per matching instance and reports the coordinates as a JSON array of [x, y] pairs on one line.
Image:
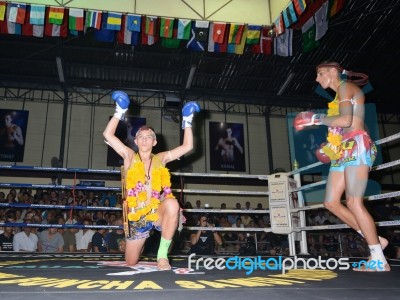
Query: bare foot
[[163, 264], [365, 268], [384, 242]]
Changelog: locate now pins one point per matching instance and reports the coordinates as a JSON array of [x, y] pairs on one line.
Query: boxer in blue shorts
[[351, 153], [149, 200]]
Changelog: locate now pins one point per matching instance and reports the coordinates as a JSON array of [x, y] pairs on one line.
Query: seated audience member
[[25, 240], [98, 241], [6, 239], [203, 241], [116, 239], [50, 241]]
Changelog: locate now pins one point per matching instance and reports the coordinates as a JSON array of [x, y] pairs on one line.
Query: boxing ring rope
[[295, 173]]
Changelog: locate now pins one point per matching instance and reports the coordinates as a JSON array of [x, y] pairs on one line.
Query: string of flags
[[311, 16]]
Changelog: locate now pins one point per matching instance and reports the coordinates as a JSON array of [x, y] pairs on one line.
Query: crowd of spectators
[[50, 239]]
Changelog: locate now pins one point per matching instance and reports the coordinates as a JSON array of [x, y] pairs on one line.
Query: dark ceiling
[[363, 37]]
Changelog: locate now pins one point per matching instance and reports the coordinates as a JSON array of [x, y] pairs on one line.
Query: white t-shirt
[[83, 239], [22, 242]]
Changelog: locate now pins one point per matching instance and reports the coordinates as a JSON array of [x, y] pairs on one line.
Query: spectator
[[25, 240], [51, 241], [6, 239], [203, 241], [98, 241], [116, 239]]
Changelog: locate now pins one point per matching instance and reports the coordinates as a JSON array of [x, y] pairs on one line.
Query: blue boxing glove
[[121, 104], [188, 111]]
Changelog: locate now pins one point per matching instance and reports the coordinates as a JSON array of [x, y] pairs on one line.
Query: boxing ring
[[97, 275]]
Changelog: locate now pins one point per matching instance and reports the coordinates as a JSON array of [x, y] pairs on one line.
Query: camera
[[210, 220]]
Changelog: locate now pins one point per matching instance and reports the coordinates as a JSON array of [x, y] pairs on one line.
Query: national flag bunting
[[55, 30], [56, 15], [184, 26], [150, 28], [103, 34], [253, 34], [114, 21], [150, 25], [235, 33], [300, 6], [172, 42], [215, 46], [29, 29], [2, 10], [8, 27], [308, 34], [126, 36], [17, 13], [265, 42], [321, 21], [133, 22], [198, 32], [283, 43], [93, 19], [75, 19], [335, 6], [201, 30], [238, 48], [219, 32], [278, 25], [37, 14], [289, 15], [166, 27]]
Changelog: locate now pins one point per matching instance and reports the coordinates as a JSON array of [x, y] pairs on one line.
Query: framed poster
[[227, 147], [13, 126], [126, 131]]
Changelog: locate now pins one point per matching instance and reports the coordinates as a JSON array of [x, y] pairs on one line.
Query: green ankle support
[[163, 248]]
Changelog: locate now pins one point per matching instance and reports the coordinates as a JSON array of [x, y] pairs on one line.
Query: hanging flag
[[2, 10], [75, 19], [150, 28], [201, 30], [253, 34], [289, 15], [335, 6], [278, 25], [321, 21], [37, 14], [103, 34], [172, 42], [55, 30], [150, 24], [238, 48], [56, 15], [235, 33], [114, 21], [308, 34], [93, 19], [8, 27], [218, 47], [166, 27], [184, 29], [265, 43], [194, 44], [124, 36], [283, 43], [300, 6], [312, 7], [133, 22], [29, 29], [17, 13], [219, 32]]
